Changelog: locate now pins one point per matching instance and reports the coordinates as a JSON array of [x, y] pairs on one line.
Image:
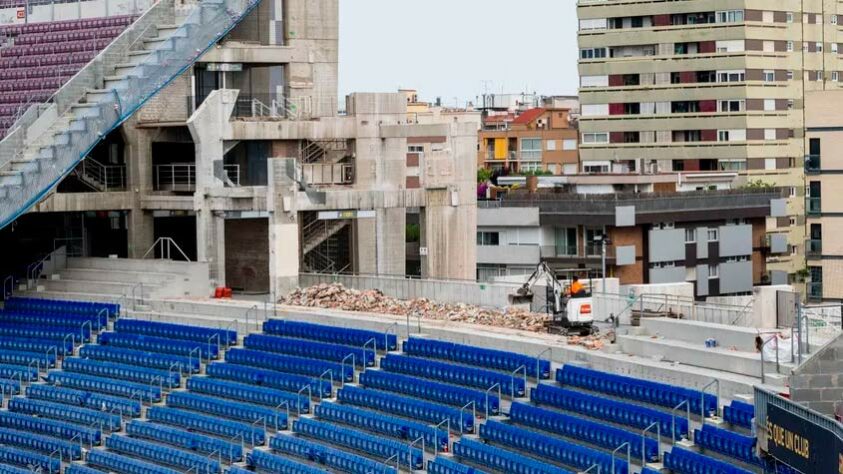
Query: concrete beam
[[79, 202], [234, 52]]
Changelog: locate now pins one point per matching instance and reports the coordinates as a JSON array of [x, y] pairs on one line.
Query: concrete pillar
[[141, 232], [366, 244], [313, 26], [391, 237], [283, 227], [137, 155]]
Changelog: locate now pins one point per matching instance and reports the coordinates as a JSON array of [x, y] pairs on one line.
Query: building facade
[[701, 85]]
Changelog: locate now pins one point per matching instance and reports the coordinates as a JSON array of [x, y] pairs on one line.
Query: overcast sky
[[458, 48]]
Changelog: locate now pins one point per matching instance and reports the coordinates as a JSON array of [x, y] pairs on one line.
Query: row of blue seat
[[161, 454], [433, 391], [37, 345], [77, 333], [85, 399], [105, 385], [739, 413], [441, 465], [310, 349], [450, 373], [501, 459], [62, 306], [610, 410], [58, 411], [29, 459], [379, 423], [290, 364], [53, 319], [233, 452], [226, 337], [268, 378], [571, 454], [8, 371], [227, 409], [471, 355], [159, 344], [726, 442], [635, 389], [113, 370], [54, 428], [328, 456], [80, 469], [377, 446], [43, 359], [683, 461], [406, 407], [10, 386], [40, 443], [337, 335], [212, 425], [268, 462], [7, 469], [113, 462], [152, 360], [598, 434], [248, 393]]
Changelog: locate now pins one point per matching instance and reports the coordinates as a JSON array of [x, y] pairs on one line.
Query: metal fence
[[622, 306], [765, 398]]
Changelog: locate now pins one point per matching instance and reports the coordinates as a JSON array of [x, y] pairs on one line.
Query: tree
[[483, 175]]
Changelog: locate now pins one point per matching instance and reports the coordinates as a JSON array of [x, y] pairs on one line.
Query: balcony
[[813, 248], [813, 206], [182, 177], [812, 164], [326, 174], [815, 290]]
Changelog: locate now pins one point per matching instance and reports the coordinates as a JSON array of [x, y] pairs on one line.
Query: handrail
[[587, 471], [410, 457], [72, 343], [170, 372], [500, 398], [210, 457], [219, 345], [135, 298], [628, 456], [644, 441], [397, 463], [374, 351], [716, 383], [342, 368], [309, 396], [673, 418], [11, 284], [548, 351], [386, 336], [119, 411], [447, 423], [473, 414], [330, 373], [37, 370], [258, 420], [778, 367], [285, 404], [512, 377], [166, 252], [82, 330], [47, 356], [199, 356], [255, 309], [242, 447]]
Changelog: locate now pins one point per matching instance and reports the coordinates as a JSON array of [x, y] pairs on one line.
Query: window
[[769, 134], [566, 241], [713, 271], [550, 145], [789, 75], [531, 149], [819, 76], [833, 19], [690, 236], [834, 76], [769, 104], [488, 238], [789, 46], [713, 234], [833, 47], [789, 17], [600, 137], [731, 76], [569, 144], [730, 16], [415, 149], [592, 53], [731, 105], [722, 135], [819, 47], [769, 76], [530, 166]]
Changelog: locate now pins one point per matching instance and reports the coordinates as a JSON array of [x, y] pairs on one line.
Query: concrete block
[[831, 394], [831, 366], [822, 407], [805, 395]]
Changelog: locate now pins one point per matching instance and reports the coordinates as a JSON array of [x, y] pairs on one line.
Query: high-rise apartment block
[[699, 85]]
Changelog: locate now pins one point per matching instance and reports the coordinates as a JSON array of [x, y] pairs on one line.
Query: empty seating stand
[[333, 334], [85, 399], [161, 454], [40, 443], [37, 345], [80, 469], [43, 359], [127, 372], [327, 456], [58, 411], [29, 459], [311, 349], [295, 365], [232, 452], [105, 385], [427, 390], [54, 428], [60, 306], [228, 409], [113, 462], [8, 371], [739, 413], [159, 344], [500, 459], [636, 389], [46, 332], [207, 424], [470, 355], [264, 461], [176, 331], [442, 465], [248, 393], [683, 461], [269, 378], [152, 360], [726, 442], [391, 426], [407, 407], [54, 319], [456, 374]]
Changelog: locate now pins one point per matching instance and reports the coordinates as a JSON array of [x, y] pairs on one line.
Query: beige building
[[704, 85]]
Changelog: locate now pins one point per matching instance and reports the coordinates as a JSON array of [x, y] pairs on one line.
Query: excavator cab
[[571, 313]]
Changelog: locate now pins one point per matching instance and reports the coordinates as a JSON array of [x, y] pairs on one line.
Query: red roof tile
[[529, 116]]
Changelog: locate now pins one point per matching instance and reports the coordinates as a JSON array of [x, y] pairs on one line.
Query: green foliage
[[535, 173], [413, 233], [483, 175], [758, 184]]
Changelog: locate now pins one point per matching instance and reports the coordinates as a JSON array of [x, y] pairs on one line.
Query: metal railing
[[814, 290], [812, 163], [163, 249], [102, 177], [813, 247], [181, 177], [327, 174], [813, 206], [765, 398], [622, 306]]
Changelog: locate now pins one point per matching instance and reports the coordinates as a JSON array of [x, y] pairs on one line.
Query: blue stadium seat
[[290, 364], [232, 452], [451, 373], [442, 465], [334, 334], [33, 331], [113, 462], [56, 429], [43, 444], [53, 319], [500, 459], [635, 389], [227, 409], [127, 372], [376, 446], [406, 407], [327, 456], [726, 442], [58, 411], [8, 386], [268, 462], [607, 409], [25, 358], [176, 331], [598, 434], [61, 306], [80, 469], [159, 344], [649, 470], [152, 360], [432, 391], [571, 454], [105, 385], [373, 421], [470, 355], [85, 399], [8, 371], [207, 424], [268, 378], [248, 393], [682, 461], [309, 349], [739, 413], [6, 469], [37, 345], [161, 454], [29, 459]]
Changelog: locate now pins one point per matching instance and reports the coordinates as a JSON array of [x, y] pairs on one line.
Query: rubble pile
[[336, 296]]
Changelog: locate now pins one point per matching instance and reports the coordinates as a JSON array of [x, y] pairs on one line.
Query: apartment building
[[701, 85], [539, 139]]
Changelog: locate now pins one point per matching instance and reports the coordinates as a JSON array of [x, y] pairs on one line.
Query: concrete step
[[696, 332], [100, 286], [129, 264], [239, 324], [124, 276]]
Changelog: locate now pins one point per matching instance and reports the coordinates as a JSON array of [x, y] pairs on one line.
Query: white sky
[[458, 48]]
